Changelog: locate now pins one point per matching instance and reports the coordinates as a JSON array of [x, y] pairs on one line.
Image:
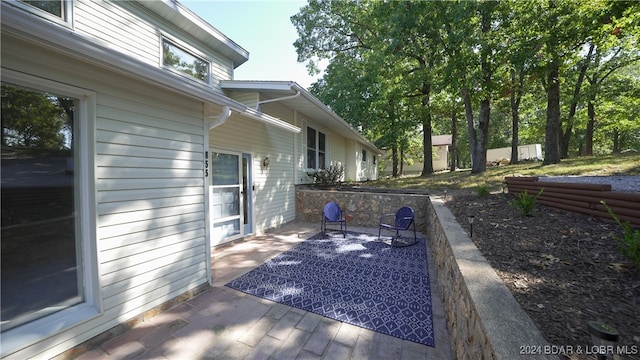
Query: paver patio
[[222, 323]]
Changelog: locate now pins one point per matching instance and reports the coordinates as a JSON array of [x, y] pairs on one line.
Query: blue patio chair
[[400, 221], [332, 214]]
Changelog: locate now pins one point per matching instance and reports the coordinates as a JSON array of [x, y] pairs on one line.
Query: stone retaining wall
[[484, 319], [363, 208]]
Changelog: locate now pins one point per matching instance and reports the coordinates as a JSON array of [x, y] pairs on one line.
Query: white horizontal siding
[[175, 231], [248, 98], [274, 194], [147, 278], [151, 200], [125, 27], [107, 197], [110, 24], [149, 184]]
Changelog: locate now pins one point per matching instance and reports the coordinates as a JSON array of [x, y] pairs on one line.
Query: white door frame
[[218, 235], [247, 194]]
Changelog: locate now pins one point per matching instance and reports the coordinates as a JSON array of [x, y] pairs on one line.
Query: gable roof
[[298, 98]]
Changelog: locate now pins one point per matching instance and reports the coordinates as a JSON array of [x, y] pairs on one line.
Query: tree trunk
[[480, 154], [427, 164], [566, 138], [471, 130], [480, 161], [453, 152], [616, 141], [516, 96], [401, 161], [427, 144], [552, 136], [588, 137], [394, 159]]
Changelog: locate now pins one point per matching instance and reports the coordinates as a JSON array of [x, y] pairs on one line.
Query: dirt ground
[[563, 268]]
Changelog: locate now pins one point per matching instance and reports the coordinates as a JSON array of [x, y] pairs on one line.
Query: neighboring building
[[525, 152], [152, 155], [440, 158]]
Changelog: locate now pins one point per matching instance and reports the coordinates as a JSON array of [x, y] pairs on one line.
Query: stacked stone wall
[[361, 208]]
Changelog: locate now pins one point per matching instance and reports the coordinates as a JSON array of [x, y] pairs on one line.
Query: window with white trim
[[364, 155], [49, 261], [316, 149], [59, 11], [184, 61]]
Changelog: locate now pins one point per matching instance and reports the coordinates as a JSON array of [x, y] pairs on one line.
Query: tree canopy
[[542, 71]]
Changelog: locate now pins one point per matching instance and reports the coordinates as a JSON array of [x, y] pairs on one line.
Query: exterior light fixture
[[604, 338], [470, 218], [265, 162], [445, 193]]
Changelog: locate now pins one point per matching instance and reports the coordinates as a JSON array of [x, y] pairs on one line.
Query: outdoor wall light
[[470, 219], [604, 337], [265, 162]]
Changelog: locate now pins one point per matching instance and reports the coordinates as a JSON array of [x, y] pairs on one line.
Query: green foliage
[[629, 244], [526, 202], [327, 177], [33, 119], [483, 190], [395, 66]]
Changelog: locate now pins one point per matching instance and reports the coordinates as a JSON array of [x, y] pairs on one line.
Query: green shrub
[[483, 190], [525, 202], [327, 177], [629, 244]]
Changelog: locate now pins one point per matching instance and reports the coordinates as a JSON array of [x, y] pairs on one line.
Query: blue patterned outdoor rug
[[357, 280]]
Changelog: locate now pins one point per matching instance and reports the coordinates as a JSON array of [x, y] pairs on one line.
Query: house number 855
[[206, 164]]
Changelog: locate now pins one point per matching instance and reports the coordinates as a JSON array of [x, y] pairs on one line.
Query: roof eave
[[184, 18], [293, 87]]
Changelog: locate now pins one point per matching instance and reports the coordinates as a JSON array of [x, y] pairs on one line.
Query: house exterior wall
[[133, 31], [273, 185], [334, 157], [143, 182], [148, 188]]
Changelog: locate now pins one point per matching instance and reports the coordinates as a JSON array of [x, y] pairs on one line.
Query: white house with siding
[[128, 151]]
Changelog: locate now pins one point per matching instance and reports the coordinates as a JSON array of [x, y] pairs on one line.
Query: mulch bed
[[563, 268]]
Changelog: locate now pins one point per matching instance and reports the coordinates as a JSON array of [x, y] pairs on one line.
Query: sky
[[264, 29]]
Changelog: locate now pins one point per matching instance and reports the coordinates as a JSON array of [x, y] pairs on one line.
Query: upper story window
[[316, 149], [56, 10], [184, 61], [364, 155], [52, 7]]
